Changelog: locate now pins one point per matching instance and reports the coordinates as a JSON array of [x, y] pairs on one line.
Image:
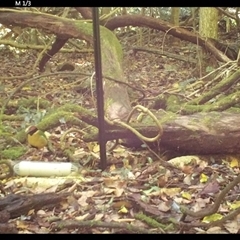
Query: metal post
[[99, 87]]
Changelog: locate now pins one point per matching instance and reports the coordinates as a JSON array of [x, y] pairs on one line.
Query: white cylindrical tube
[[44, 169]]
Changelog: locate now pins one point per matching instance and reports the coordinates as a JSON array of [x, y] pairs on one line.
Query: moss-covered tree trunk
[[208, 23]]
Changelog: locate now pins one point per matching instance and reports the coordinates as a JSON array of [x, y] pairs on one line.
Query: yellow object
[[36, 138], [203, 178]]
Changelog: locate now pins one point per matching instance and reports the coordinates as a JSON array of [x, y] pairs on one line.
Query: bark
[[208, 23], [200, 133], [57, 45], [86, 12], [175, 16], [16, 205]]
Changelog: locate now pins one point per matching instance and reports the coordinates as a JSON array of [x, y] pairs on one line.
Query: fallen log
[[200, 133], [16, 205]]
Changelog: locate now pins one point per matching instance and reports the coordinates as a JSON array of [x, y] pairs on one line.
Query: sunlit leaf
[[203, 178], [234, 162], [182, 161], [123, 210], [186, 195], [235, 205], [112, 168], [96, 148], [119, 150], [93, 147], [118, 192], [212, 218]]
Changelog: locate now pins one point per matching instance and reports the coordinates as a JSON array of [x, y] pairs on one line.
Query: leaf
[[123, 210], [216, 229], [118, 192], [62, 120], [170, 191], [234, 162], [112, 168], [203, 178], [181, 162], [151, 190], [212, 218], [209, 69], [235, 205], [232, 227], [186, 195], [119, 149], [211, 187], [164, 206], [188, 180], [93, 147], [126, 164]]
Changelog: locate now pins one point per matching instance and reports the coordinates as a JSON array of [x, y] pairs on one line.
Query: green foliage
[[31, 116]]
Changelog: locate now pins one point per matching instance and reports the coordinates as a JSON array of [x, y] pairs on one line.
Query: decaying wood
[[17, 205], [200, 133], [8, 228]]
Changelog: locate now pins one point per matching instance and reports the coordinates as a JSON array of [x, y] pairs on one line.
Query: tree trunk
[[208, 23], [175, 16], [175, 21]]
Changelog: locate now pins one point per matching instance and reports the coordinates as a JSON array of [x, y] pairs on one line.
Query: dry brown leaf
[[233, 226], [211, 188], [164, 206]]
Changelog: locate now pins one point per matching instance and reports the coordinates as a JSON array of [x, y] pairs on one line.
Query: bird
[[36, 138]]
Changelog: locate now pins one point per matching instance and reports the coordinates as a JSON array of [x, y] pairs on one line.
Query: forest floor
[[134, 180]]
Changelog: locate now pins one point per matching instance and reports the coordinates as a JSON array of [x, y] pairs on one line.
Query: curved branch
[[158, 24]]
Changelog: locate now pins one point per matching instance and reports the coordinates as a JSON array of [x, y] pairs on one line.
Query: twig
[[69, 224]]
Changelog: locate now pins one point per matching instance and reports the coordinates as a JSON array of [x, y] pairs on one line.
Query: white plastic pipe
[[44, 169]]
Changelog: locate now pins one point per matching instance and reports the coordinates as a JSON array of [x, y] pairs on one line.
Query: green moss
[[33, 102], [12, 153], [173, 103]]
